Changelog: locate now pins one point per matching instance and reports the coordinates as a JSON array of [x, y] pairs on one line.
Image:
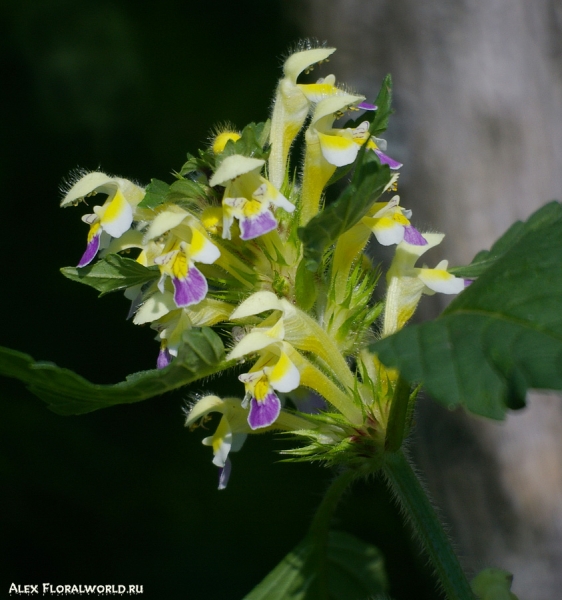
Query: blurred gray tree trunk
[[478, 125]]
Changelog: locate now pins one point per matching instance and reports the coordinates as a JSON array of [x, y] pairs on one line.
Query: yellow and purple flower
[[261, 383], [230, 433], [391, 224], [178, 263], [113, 218], [377, 145], [326, 149], [247, 197], [407, 283]]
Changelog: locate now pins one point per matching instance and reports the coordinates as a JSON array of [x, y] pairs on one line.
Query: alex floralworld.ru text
[[50, 589]]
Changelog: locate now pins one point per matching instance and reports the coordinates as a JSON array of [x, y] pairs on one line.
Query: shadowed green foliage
[[354, 571], [112, 273], [67, 393]]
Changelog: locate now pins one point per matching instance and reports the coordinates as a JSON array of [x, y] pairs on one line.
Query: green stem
[[320, 526], [396, 429], [408, 490]]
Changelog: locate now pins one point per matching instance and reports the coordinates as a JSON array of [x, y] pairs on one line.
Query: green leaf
[[367, 184], [197, 168], [384, 110], [155, 195], [502, 335], [184, 192], [354, 571], [187, 193], [66, 393], [114, 272], [486, 258]]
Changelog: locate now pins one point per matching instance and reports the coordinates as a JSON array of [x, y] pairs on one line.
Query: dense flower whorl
[[230, 244]]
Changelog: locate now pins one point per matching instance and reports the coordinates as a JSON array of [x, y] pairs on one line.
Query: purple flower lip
[[190, 290], [386, 160], [413, 236], [255, 226], [224, 474], [264, 413], [164, 358], [366, 106], [91, 251]]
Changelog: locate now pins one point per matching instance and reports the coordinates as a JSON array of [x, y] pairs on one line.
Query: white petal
[[387, 236], [166, 220], [234, 166], [116, 216], [338, 150], [154, 308], [284, 376], [440, 281]]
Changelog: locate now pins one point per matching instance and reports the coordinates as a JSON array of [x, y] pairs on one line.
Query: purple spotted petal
[[91, 251], [164, 358], [467, 282], [190, 290], [386, 160], [224, 474], [413, 236], [366, 106], [264, 413], [253, 227]]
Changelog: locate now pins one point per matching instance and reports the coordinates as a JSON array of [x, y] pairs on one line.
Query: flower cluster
[[224, 244]]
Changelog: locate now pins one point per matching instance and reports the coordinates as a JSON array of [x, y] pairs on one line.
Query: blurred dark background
[[126, 495]]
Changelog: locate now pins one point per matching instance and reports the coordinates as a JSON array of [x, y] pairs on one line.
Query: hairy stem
[[408, 490], [320, 526], [396, 428]]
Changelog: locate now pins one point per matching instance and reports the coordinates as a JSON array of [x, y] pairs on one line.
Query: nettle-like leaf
[[112, 273], [384, 107], [367, 184], [486, 258], [67, 393], [353, 570], [155, 194], [502, 335], [184, 192]]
